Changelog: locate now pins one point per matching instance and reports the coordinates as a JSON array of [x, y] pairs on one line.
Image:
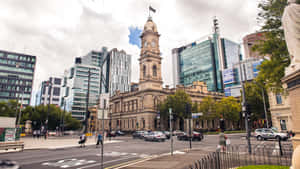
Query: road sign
[[196, 115]]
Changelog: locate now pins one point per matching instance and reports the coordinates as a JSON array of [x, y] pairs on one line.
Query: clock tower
[[150, 60]]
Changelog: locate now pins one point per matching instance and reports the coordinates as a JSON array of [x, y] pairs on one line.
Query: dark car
[[120, 133], [111, 134], [196, 136], [8, 164]]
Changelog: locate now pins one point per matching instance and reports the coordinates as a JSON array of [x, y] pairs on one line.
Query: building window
[[283, 124], [154, 70], [278, 99], [144, 71], [56, 91]]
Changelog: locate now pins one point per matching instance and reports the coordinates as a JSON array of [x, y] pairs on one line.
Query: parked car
[[120, 133], [196, 136], [266, 133], [167, 134], [111, 134], [8, 164], [177, 133], [137, 134], [155, 136]]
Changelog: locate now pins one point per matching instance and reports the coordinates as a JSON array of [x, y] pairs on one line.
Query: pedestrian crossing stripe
[[66, 163], [117, 154]]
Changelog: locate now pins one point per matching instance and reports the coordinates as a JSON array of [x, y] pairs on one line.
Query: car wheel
[[259, 138]]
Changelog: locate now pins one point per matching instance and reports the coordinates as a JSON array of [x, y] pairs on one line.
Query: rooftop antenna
[[216, 28]]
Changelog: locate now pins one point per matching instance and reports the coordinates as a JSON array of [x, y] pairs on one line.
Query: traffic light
[[88, 114]]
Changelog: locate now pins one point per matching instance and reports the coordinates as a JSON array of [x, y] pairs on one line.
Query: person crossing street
[[99, 140]]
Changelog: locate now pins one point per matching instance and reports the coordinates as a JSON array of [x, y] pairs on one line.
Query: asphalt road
[[115, 153]]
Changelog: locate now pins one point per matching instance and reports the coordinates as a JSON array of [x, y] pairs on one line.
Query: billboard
[[228, 76]]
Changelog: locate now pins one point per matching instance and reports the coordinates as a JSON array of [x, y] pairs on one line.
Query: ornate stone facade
[[137, 110]]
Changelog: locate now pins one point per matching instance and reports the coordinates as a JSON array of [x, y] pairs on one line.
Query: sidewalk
[[57, 143], [180, 160]]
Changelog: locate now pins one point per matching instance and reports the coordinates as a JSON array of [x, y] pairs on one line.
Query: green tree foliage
[[177, 102], [38, 115], [254, 97], [229, 108], [208, 108], [274, 46], [8, 109]]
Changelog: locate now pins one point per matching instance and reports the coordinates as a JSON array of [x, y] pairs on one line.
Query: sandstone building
[[137, 110]]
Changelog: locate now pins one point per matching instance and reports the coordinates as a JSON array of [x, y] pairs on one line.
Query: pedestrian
[[222, 141], [34, 133], [99, 140], [82, 140]]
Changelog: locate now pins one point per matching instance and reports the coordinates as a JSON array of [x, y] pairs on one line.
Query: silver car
[[156, 136], [266, 133]]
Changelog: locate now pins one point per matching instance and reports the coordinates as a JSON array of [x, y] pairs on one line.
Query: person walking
[[99, 140], [82, 140]]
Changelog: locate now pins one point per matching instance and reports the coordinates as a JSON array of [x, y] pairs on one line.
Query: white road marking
[[69, 163], [93, 165]]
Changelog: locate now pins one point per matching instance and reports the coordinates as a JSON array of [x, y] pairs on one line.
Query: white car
[[156, 136], [266, 133]]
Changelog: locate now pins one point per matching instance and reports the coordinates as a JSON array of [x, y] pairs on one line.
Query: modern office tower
[[232, 76], [204, 60], [16, 76], [50, 92], [249, 41], [117, 72], [76, 82]]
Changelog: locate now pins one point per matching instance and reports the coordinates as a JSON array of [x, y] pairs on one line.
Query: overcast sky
[[57, 31]]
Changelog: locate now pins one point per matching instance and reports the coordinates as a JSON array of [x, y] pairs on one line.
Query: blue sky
[[134, 36]]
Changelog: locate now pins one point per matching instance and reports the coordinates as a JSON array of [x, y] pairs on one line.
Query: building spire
[[216, 28]]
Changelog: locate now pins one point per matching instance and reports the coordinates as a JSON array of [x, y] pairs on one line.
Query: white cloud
[[57, 31]]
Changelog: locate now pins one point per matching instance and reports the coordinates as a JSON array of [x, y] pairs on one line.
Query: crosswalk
[[119, 154], [75, 162]]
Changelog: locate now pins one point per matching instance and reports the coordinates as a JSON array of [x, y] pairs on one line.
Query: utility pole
[[171, 130], [102, 149], [49, 84], [63, 117], [87, 102], [20, 111], [244, 107]]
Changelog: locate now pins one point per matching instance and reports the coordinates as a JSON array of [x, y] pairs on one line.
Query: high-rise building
[[77, 80], [251, 40], [50, 92], [109, 72], [16, 76], [232, 76], [117, 72], [205, 60]]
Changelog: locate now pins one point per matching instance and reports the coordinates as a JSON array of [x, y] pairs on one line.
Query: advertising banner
[[228, 76], [10, 134]]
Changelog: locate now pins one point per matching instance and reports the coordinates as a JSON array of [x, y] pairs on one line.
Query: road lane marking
[[68, 163], [106, 162]]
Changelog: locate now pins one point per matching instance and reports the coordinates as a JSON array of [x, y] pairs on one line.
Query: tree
[[208, 108], [254, 100], [273, 46], [38, 115], [229, 108], [177, 102], [8, 109]]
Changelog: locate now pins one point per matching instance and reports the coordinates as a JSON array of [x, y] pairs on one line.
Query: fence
[[237, 155]]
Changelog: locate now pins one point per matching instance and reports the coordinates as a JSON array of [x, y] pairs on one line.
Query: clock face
[[153, 44]]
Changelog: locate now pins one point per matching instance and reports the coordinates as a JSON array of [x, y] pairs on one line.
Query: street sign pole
[[171, 131]]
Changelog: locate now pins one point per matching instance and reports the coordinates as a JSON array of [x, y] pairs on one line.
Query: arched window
[[144, 71], [154, 70]]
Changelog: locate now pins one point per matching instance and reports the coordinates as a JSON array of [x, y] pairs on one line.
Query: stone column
[[292, 83]]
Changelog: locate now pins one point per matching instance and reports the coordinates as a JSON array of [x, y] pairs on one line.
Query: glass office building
[[16, 76], [204, 61]]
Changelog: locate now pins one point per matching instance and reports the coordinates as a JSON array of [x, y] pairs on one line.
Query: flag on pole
[[152, 9]]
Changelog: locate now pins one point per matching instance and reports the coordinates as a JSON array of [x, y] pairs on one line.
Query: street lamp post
[[244, 107], [49, 84]]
